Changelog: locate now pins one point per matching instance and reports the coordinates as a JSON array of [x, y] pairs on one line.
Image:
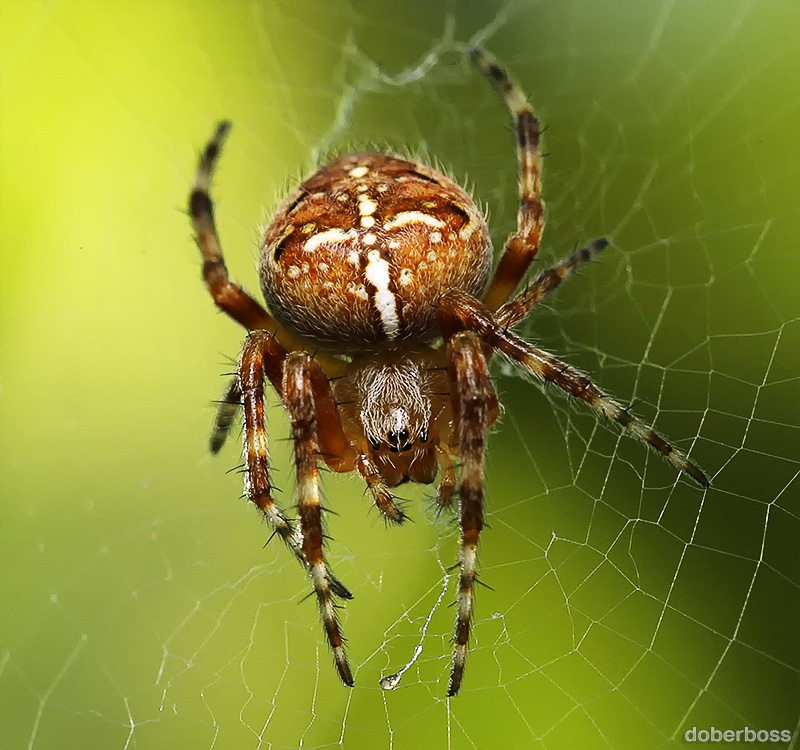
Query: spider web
[[626, 605]]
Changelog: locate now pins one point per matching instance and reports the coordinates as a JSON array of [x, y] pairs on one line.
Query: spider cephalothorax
[[382, 323], [394, 403]]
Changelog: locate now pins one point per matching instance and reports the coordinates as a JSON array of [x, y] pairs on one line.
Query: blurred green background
[[139, 608]]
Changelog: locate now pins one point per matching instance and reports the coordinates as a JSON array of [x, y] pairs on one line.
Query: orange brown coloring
[[381, 326], [358, 251]]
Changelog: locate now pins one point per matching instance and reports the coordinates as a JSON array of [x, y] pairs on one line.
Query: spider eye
[[375, 444], [398, 440]]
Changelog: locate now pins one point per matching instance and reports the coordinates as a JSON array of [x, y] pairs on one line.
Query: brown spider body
[[378, 342], [358, 251]]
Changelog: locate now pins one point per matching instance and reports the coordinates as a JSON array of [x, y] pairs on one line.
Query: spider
[[383, 318]]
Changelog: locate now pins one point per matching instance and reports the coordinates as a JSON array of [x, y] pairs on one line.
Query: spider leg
[[570, 380], [548, 280], [382, 496], [459, 309], [298, 395], [226, 412], [262, 355], [334, 447], [474, 402], [522, 246], [228, 296], [447, 485]]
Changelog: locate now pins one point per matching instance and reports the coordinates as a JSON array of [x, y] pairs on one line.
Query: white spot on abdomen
[[329, 235], [377, 273], [366, 207], [412, 217]]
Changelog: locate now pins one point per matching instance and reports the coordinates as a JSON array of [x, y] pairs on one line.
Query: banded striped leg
[[226, 412], [575, 383], [522, 245], [548, 280], [460, 309], [262, 354], [298, 395], [474, 400], [229, 297], [382, 496]]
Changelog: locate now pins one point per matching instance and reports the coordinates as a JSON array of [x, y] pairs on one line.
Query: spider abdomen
[[358, 255]]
